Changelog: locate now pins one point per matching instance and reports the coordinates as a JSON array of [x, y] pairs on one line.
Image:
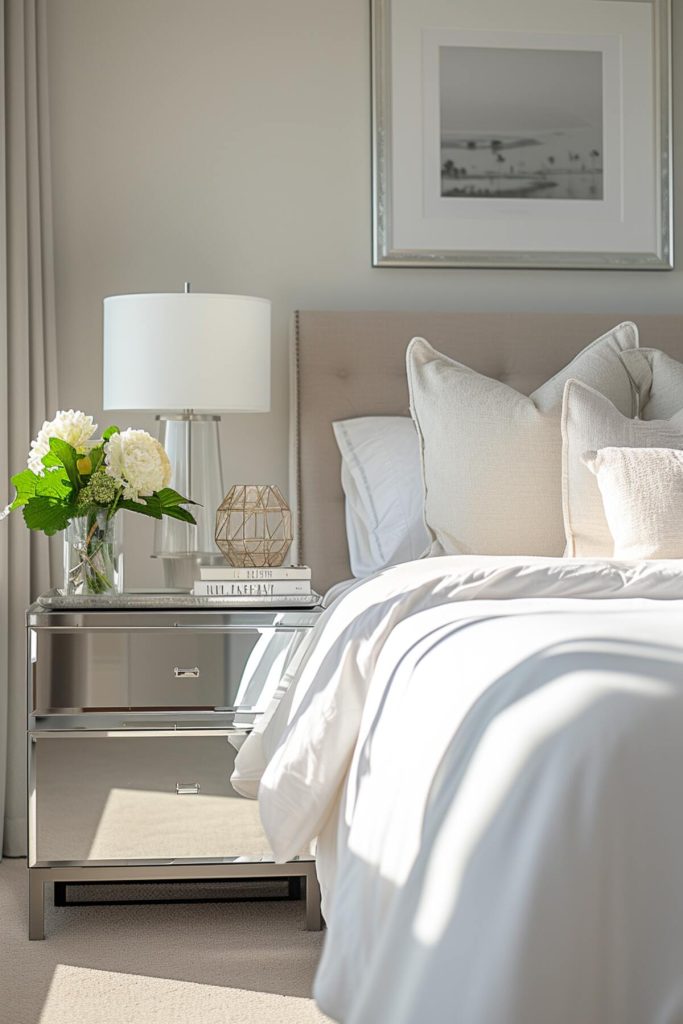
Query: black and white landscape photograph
[[521, 123]]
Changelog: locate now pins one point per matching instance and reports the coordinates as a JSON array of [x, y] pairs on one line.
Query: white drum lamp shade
[[187, 351], [188, 356]]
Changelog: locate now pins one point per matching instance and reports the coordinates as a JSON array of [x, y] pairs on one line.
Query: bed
[[484, 748]]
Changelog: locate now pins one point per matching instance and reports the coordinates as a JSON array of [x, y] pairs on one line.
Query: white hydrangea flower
[[73, 427], [137, 462]]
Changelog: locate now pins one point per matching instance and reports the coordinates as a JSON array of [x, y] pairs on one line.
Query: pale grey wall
[[228, 142]]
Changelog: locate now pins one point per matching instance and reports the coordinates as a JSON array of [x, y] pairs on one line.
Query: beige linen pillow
[[658, 380], [590, 422], [491, 457], [642, 497]]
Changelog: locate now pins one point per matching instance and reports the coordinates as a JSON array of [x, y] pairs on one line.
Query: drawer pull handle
[[187, 788], [186, 673]]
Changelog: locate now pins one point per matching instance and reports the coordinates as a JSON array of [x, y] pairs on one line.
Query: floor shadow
[[251, 946]]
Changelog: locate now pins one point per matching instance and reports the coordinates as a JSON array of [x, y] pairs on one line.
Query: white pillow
[[382, 483], [642, 497], [492, 457], [659, 380], [591, 422]]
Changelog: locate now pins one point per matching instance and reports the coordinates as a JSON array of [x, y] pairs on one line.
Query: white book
[[252, 588], [292, 601], [280, 572]]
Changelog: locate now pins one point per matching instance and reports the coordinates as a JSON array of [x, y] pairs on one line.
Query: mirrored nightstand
[[135, 713]]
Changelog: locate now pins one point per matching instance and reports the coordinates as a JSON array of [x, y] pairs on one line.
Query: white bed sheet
[[482, 871]]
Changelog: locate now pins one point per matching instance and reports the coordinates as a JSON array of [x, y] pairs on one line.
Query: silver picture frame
[[655, 213]]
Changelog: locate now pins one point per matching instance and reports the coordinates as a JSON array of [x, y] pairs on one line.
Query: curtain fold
[[28, 370]]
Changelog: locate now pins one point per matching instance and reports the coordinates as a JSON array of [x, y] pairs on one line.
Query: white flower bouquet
[[73, 479]]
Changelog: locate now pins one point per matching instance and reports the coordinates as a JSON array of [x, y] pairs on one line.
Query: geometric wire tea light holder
[[254, 526]]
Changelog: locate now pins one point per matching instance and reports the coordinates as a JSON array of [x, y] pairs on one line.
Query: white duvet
[[489, 753]]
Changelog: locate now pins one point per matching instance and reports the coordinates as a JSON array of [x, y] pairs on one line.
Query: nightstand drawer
[[167, 669], [98, 797]]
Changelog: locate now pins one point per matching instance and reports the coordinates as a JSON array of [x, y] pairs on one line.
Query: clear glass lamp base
[[193, 447]]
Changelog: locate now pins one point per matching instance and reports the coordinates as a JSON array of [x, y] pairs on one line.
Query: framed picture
[[533, 134]]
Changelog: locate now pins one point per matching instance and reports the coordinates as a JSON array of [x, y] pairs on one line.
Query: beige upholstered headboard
[[353, 364]]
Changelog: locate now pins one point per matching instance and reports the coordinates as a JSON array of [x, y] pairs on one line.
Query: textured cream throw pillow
[[491, 457], [659, 381], [591, 422], [642, 496]]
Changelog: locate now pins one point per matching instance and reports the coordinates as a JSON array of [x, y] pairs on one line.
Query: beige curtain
[[28, 369]]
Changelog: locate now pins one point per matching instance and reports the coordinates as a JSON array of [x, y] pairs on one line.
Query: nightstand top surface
[[165, 609]]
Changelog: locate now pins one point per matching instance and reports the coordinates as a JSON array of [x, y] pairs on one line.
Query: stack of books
[[284, 585]]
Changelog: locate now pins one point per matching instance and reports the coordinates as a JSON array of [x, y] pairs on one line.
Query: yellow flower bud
[[84, 465]]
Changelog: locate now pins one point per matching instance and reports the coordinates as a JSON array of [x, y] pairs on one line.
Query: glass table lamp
[[189, 357]]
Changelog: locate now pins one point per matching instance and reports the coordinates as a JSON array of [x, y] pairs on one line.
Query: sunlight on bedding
[[460, 741], [509, 748]]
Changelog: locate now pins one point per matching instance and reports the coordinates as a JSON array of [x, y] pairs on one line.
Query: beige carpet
[[217, 963]]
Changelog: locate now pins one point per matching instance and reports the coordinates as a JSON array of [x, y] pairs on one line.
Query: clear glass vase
[[93, 555]]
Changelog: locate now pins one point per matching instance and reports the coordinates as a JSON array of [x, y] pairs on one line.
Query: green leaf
[[50, 460], [151, 506], [176, 512], [96, 456], [55, 484], [48, 515], [165, 502], [68, 456], [171, 503], [109, 432], [25, 484], [167, 497]]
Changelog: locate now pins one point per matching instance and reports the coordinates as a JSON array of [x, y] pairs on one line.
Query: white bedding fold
[[488, 751], [305, 744], [532, 870]]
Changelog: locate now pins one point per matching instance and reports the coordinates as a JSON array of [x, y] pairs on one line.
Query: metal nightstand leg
[[36, 904], [314, 921]]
